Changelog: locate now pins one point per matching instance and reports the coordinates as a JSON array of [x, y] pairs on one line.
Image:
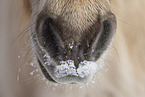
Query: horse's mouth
[[65, 72]]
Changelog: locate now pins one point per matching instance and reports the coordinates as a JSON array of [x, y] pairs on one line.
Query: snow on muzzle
[[65, 71], [67, 68]]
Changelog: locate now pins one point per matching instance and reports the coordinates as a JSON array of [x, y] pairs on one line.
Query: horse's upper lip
[[64, 73], [51, 76]]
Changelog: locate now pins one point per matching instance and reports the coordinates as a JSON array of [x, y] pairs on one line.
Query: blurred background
[[126, 74]]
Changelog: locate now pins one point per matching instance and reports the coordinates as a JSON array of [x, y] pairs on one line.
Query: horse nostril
[[104, 37], [48, 37]]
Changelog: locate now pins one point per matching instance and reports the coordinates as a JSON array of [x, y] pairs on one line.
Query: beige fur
[[125, 76], [81, 9]]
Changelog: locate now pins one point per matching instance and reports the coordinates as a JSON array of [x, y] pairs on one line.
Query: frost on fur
[[67, 68]]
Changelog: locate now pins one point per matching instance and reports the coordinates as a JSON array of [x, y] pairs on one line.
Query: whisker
[[25, 30], [26, 56], [33, 78]]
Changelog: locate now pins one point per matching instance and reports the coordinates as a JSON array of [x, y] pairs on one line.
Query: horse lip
[[49, 72], [70, 79]]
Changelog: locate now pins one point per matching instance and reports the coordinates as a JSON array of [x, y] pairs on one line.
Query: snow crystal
[[71, 46], [31, 73], [32, 64], [46, 59], [67, 68], [18, 78]]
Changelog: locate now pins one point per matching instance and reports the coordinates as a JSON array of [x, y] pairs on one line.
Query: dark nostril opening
[[101, 43], [49, 38]]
